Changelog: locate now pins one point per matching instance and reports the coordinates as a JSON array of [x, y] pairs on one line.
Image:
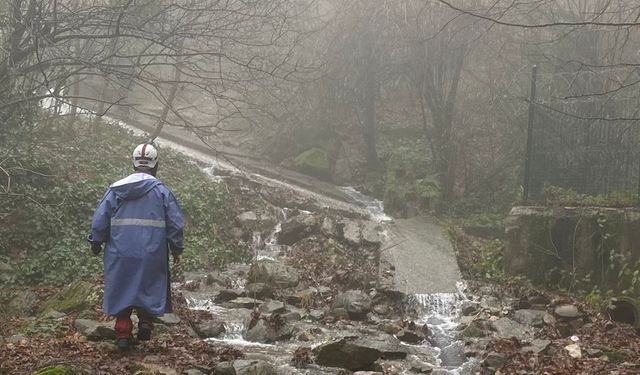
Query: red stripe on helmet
[[144, 148]]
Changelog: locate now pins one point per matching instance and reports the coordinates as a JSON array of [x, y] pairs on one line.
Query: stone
[[346, 354], [371, 233], [94, 330], [567, 311], [224, 368], [52, 314], [292, 316], [328, 227], [272, 306], [316, 314], [193, 371], [419, 366], [339, 313], [22, 302], [356, 302], [152, 368], [76, 296], [226, 295], [537, 346], [314, 162], [528, 317], [351, 232], [297, 228], [390, 348], [259, 290], [209, 328], [469, 308], [248, 218], [253, 367], [168, 319], [573, 350], [506, 328], [477, 328], [411, 337], [274, 274], [549, 319], [265, 332], [495, 360], [245, 302]]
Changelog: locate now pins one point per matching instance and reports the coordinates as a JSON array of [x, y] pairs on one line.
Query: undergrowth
[[58, 173]]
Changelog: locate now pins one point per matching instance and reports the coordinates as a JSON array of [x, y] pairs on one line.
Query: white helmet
[[145, 155]]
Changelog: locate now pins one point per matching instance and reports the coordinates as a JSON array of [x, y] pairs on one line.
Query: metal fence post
[[527, 160]]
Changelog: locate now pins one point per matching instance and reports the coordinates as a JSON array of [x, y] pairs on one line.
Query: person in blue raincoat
[[140, 222]]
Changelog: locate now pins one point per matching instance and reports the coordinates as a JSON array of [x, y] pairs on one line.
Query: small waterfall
[[371, 205], [440, 312]]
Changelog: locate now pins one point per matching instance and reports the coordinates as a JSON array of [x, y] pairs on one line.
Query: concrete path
[[422, 255]]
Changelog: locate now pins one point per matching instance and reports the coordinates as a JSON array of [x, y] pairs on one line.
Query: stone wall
[[546, 244]]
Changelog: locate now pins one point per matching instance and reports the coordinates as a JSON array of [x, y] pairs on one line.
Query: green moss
[[314, 162], [54, 370], [76, 296]]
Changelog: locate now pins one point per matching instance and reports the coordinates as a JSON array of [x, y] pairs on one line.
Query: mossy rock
[[314, 162], [55, 370], [76, 296]]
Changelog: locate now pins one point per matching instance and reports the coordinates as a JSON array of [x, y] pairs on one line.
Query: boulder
[[507, 328], [273, 273], [528, 317], [389, 347], [371, 233], [94, 330], [346, 353], [419, 366], [22, 303], [259, 290], [567, 311], [495, 360], [267, 332], [272, 306], [76, 296], [226, 295], [477, 328], [297, 228], [411, 337], [355, 302], [247, 367], [209, 328]]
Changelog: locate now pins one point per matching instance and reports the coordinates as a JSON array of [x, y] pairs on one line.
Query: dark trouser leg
[[124, 326], [145, 325]]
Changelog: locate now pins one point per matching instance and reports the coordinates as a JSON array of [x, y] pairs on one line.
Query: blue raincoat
[[140, 221]]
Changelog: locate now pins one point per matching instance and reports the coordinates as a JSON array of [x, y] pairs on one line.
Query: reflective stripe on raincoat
[[140, 220]]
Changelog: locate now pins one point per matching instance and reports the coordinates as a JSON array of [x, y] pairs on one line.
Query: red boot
[[124, 328]]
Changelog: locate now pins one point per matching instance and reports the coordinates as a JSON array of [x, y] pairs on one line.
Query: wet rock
[[346, 353], [390, 328], [506, 328], [339, 313], [226, 295], [259, 290], [316, 314], [419, 366], [533, 318], [94, 330], [224, 368], [477, 328], [411, 337], [567, 311], [292, 316], [244, 302], [274, 274], [268, 332], [389, 347], [495, 360], [297, 228], [209, 328], [168, 319], [469, 308], [272, 307], [193, 371], [357, 304]]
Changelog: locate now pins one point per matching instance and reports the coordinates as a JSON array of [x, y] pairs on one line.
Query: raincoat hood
[[134, 186]]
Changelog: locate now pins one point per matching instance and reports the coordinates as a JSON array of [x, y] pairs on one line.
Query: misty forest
[[319, 187]]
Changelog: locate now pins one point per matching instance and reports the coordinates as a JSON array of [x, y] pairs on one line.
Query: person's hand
[[95, 249], [177, 259]]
